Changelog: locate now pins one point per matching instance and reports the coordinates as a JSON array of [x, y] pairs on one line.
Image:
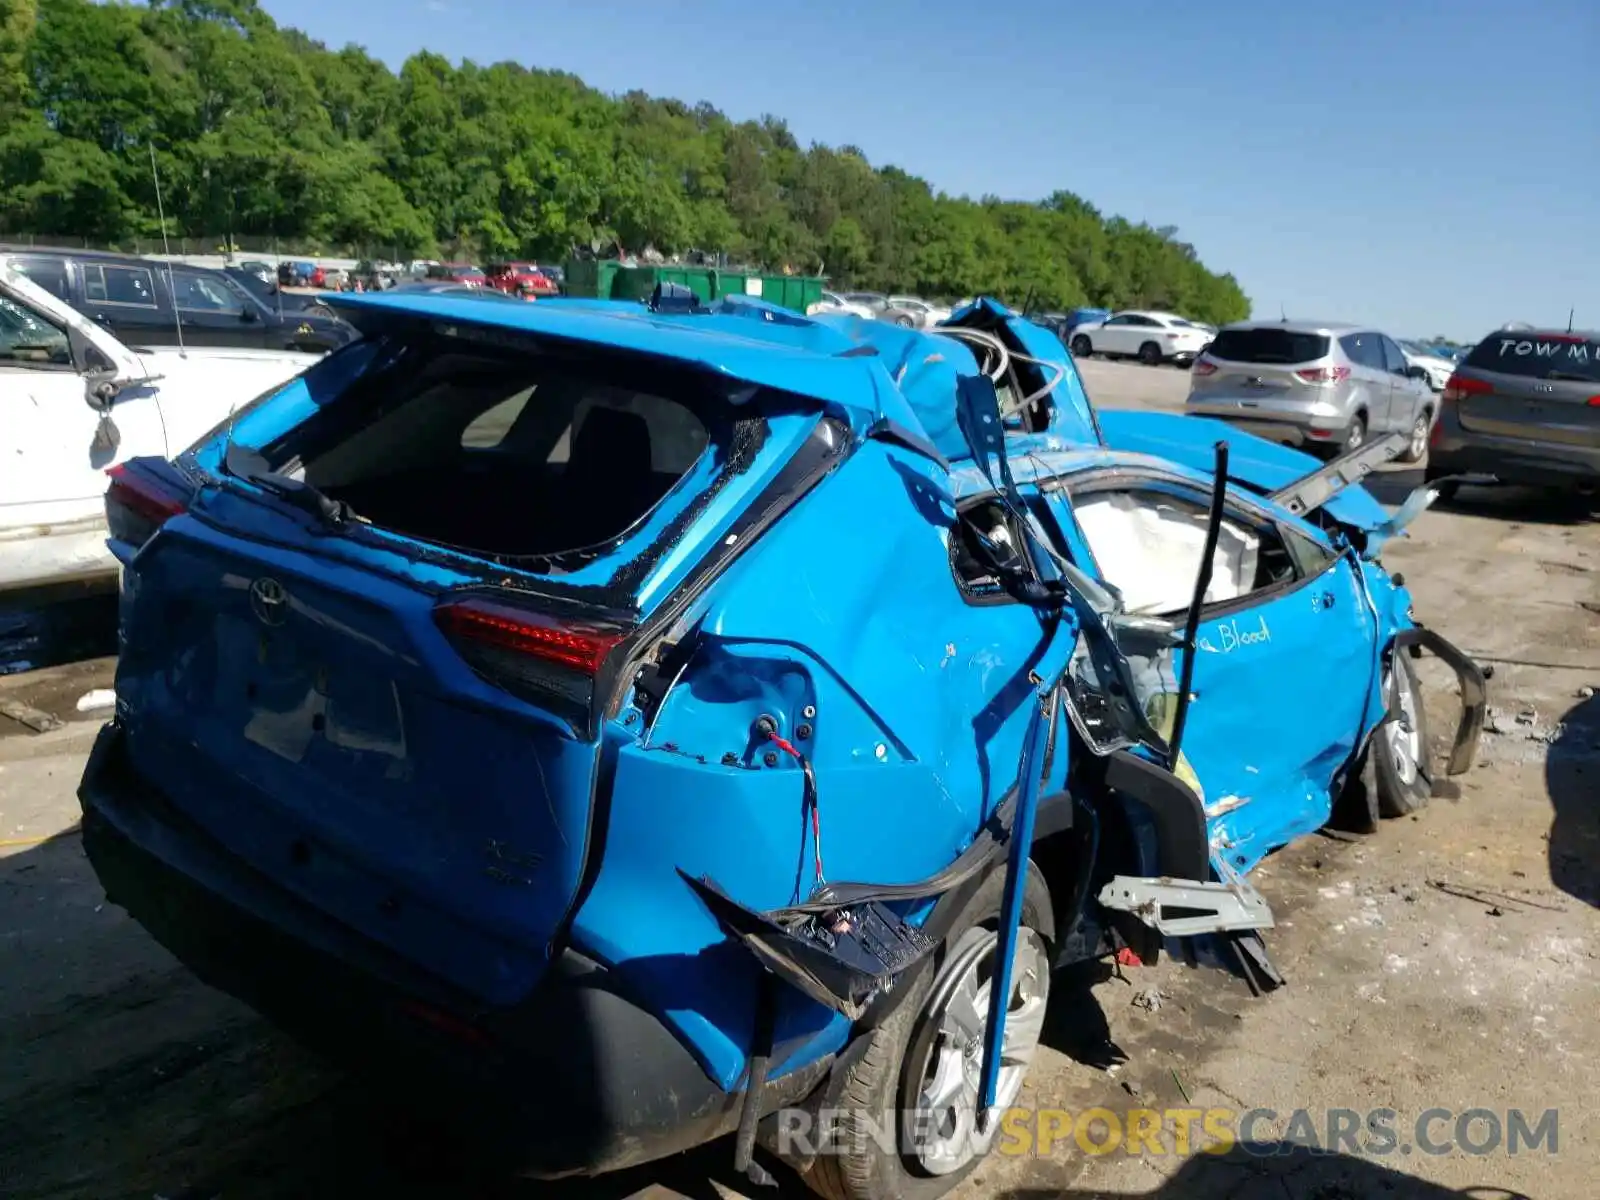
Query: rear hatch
[[1253, 366], [1536, 386], [372, 645]]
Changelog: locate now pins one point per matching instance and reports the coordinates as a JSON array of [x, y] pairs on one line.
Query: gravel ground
[[1449, 961]]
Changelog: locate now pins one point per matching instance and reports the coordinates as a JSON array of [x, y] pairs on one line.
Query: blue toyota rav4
[[632, 724]]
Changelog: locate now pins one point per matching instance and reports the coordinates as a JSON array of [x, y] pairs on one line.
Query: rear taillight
[[1202, 367], [138, 503], [549, 661], [1323, 374], [1459, 387], [1593, 401]]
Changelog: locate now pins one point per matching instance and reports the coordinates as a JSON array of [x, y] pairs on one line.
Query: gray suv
[[1313, 385], [1524, 406]]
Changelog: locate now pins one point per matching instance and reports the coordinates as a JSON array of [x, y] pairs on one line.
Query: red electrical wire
[[788, 748]]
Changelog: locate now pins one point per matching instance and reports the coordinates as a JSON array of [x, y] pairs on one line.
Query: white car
[[74, 403], [833, 304], [1151, 337], [1439, 368], [912, 312]]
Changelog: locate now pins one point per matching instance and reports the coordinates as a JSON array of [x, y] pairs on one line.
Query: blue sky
[[1431, 167]]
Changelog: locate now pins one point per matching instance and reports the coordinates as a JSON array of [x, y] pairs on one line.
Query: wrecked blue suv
[[632, 724]]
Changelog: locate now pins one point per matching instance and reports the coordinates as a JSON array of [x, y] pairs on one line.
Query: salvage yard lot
[[1452, 961]]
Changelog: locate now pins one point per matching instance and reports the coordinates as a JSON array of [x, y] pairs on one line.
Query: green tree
[[257, 130]]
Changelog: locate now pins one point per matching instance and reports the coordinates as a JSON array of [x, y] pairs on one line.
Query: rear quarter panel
[[849, 607]]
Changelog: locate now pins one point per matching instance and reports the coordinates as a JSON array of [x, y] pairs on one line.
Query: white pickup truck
[[75, 402]]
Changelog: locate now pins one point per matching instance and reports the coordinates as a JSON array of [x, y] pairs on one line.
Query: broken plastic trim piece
[[1316, 489], [1474, 693], [843, 959]]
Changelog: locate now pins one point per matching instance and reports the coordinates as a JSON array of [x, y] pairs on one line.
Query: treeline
[[262, 131]]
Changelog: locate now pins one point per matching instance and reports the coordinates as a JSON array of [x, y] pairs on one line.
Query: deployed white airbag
[[1149, 547]]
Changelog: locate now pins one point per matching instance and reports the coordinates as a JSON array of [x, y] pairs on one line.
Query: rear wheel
[[1082, 347], [903, 321], [917, 1081], [1418, 445], [1150, 354], [1356, 435], [1400, 746]]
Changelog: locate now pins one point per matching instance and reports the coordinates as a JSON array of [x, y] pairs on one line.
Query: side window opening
[[988, 548], [48, 273], [1148, 542], [28, 338], [196, 293], [977, 568], [119, 285]]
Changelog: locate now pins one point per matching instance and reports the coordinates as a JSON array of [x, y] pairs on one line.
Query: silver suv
[[1314, 385]]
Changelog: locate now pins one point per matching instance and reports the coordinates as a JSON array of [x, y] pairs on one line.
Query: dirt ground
[[1451, 961]]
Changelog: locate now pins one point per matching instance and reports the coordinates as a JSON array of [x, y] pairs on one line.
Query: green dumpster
[[611, 280]]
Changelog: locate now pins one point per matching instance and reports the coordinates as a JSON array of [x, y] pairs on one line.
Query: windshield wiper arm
[[250, 465]]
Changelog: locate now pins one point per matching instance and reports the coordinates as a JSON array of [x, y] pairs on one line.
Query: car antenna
[[1571, 312], [166, 249], [1283, 316]]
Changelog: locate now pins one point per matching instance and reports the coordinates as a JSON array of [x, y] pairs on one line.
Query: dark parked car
[[1524, 406], [143, 302], [266, 290]]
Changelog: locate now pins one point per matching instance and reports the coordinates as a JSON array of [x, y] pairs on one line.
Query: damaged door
[[1284, 647]]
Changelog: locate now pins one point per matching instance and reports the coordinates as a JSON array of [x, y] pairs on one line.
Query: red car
[[521, 279], [463, 273]]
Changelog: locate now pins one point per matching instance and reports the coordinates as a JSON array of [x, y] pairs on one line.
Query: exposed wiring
[[811, 802]]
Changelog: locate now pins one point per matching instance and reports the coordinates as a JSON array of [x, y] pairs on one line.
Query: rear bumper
[[1456, 450], [575, 1079], [1297, 429], [66, 552]]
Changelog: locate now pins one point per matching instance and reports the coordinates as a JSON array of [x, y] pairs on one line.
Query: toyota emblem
[[269, 601]]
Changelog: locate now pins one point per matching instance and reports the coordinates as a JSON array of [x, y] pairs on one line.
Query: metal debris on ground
[[1150, 999], [1490, 899], [25, 714]]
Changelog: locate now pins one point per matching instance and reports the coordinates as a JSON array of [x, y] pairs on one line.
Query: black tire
[[1150, 354], [1402, 785], [903, 321], [1082, 347], [1356, 435], [1417, 448], [857, 1168]]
